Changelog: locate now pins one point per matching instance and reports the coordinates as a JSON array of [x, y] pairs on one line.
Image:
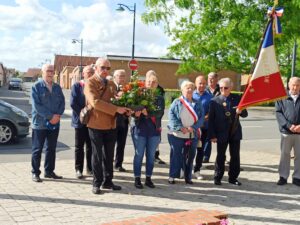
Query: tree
[[210, 35], [17, 74]]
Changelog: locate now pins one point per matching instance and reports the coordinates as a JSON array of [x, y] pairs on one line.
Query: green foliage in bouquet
[[136, 96]]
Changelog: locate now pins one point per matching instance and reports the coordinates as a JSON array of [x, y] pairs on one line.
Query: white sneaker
[[198, 176]]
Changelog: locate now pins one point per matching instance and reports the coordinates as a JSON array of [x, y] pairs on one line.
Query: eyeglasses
[[225, 88], [104, 68]]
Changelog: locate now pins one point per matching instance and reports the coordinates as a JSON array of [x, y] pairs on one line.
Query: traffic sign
[[132, 64]]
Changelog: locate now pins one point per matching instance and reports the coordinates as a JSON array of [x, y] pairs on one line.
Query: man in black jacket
[[288, 118], [224, 128], [122, 124]]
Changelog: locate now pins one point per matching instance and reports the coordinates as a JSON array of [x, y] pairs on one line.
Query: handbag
[[86, 112], [85, 115]]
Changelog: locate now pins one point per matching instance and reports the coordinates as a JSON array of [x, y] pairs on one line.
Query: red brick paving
[[193, 217]]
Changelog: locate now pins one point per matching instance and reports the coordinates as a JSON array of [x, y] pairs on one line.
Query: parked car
[[15, 83], [14, 123]]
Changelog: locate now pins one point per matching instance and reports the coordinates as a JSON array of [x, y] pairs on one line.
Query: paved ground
[[70, 201]]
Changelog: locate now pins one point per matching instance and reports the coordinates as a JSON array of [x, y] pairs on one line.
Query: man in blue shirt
[[202, 95], [48, 104]]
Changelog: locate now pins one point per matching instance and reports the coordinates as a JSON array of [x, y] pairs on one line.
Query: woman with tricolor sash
[[185, 119]]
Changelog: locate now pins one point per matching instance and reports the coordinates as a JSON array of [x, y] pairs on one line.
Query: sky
[[33, 31]]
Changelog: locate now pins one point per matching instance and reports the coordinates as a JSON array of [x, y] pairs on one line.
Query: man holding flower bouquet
[[122, 123], [102, 125]]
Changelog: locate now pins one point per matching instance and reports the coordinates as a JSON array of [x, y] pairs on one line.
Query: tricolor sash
[[192, 112]]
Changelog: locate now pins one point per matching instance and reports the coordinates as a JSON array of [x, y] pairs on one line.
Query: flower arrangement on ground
[[136, 96]]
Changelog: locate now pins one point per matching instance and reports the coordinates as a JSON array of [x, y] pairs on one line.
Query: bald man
[[102, 125], [122, 124], [288, 118], [77, 103], [203, 152]]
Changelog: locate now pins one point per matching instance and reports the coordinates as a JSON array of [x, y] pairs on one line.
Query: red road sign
[[132, 64]]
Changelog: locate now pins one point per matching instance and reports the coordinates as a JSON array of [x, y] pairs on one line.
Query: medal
[[224, 104], [227, 113]]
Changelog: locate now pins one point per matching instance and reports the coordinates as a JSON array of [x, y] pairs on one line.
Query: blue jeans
[[177, 157], [141, 144], [39, 138]]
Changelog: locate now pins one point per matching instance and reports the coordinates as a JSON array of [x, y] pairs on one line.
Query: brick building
[[32, 74], [165, 68]]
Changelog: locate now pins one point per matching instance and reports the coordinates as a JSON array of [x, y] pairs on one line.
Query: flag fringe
[[259, 103]]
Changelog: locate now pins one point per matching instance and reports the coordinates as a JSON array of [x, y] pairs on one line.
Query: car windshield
[[15, 80]]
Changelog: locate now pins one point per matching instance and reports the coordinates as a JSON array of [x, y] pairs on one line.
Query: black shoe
[[79, 174], [235, 182], [53, 176], [296, 181], [112, 186], [217, 182], [36, 178], [149, 182], [159, 161], [96, 190], [205, 161], [282, 181], [120, 169], [189, 181], [137, 183]]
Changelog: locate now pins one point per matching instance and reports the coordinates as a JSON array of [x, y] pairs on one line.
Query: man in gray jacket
[[288, 118]]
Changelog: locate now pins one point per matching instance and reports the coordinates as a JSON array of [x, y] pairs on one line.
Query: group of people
[[205, 112]]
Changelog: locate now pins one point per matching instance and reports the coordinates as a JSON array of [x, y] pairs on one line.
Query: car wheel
[[7, 132]]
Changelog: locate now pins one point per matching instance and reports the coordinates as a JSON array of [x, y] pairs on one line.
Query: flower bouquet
[[136, 96]]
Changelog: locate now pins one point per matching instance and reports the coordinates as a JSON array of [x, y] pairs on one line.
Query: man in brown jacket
[[102, 125]]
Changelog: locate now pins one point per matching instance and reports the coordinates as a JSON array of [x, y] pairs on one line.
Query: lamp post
[[81, 48], [131, 9]]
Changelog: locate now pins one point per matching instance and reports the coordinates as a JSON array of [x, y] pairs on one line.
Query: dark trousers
[[122, 132], [206, 145], [103, 145], [234, 164], [82, 137], [39, 138], [200, 151], [157, 149]]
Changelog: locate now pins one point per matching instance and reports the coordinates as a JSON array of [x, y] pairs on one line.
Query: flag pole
[[270, 20], [262, 39]]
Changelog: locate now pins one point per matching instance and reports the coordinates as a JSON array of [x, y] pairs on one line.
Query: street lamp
[[74, 41], [131, 9]]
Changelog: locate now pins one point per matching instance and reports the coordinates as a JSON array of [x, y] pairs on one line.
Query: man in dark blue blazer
[[224, 128], [77, 103]]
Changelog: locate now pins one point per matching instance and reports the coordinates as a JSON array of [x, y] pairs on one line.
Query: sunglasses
[[225, 88], [104, 68]]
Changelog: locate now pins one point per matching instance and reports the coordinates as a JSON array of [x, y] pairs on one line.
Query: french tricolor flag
[[266, 83]]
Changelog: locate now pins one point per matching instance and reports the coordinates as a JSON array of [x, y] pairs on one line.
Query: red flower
[[141, 84]]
